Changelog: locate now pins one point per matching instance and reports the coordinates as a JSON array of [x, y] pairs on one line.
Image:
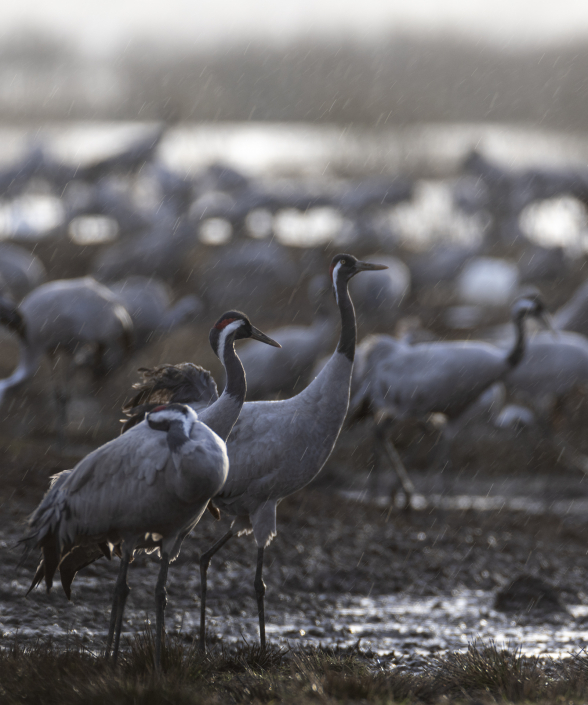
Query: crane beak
[[256, 334], [368, 266]]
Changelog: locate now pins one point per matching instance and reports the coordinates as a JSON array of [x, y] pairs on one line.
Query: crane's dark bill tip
[[256, 334]]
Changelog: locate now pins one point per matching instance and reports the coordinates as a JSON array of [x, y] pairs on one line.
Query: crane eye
[[343, 261]]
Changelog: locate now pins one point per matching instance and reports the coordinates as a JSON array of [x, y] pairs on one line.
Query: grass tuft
[[488, 669], [42, 674]]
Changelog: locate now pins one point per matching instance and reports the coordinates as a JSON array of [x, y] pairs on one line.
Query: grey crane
[[270, 371], [65, 313], [149, 303], [398, 381], [176, 384], [144, 483], [278, 447]]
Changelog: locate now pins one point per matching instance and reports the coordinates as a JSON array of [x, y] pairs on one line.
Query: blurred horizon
[[401, 79]]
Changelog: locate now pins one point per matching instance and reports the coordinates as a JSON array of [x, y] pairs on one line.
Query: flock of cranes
[[185, 449]]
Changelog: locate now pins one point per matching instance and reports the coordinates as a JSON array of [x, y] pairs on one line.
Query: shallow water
[[269, 149], [483, 503]]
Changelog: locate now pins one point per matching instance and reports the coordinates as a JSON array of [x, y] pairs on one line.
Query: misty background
[[372, 64]]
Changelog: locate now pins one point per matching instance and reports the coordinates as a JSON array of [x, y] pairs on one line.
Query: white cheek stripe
[[223, 337], [172, 415], [335, 275]]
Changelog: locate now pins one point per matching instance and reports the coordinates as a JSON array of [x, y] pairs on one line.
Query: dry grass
[[484, 674]]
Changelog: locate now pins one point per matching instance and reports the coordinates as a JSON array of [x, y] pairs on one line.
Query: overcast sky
[[105, 25]]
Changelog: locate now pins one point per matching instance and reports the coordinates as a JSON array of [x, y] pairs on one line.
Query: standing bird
[[278, 447], [400, 381], [143, 485], [177, 384], [66, 313]]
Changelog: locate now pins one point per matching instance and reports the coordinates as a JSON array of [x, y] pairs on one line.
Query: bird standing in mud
[[397, 381], [144, 489]]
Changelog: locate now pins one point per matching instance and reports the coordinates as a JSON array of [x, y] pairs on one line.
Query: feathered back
[[185, 383]]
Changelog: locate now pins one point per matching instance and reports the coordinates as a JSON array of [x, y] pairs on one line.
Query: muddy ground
[[345, 565]]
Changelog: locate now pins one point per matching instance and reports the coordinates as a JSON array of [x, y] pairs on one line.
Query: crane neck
[[518, 349], [236, 386], [224, 412], [348, 337]]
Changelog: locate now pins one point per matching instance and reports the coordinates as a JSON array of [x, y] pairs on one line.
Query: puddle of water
[[410, 625], [480, 503]]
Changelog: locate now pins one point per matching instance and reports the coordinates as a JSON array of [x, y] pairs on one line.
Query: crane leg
[[60, 396], [382, 441], [205, 559], [260, 592], [400, 470], [121, 592], [160, 604]]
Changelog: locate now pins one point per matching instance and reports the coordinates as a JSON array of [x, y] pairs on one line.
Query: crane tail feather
[[51, 559], [38, 577]]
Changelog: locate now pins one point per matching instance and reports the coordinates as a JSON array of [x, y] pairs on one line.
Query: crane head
[[344, 267], [234, 325], [162, 417], [530, 303]]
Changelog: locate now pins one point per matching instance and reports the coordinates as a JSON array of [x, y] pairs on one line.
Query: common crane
[[143, 489], [397, 381]]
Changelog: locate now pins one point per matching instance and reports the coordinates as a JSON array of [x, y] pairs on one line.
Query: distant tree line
[[402, 80]]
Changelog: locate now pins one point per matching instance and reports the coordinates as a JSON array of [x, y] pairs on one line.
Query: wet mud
[[346, 566]]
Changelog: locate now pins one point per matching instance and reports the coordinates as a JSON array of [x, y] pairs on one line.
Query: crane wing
[[254, 431], [141, 452], [281, 441]]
